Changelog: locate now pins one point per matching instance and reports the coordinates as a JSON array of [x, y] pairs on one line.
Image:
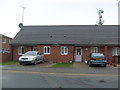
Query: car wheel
[[35, 62], [104, 65], [42, 61], [90, 65], [20, 63]]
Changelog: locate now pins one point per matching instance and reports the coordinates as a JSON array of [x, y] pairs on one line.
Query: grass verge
[[62, 65], [9, 62]]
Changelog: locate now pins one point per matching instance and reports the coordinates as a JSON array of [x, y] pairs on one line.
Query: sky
[[55, 12]]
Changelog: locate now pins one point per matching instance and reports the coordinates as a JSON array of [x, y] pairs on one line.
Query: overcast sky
[[55, 12]]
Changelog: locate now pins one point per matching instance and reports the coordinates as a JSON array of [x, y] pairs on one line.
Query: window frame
[[46, 50], [93, 50], [34, 48], [115, 51], [64, 52], [20, 50]]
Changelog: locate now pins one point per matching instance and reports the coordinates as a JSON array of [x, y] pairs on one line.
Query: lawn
[[63, 65], [9, 62]]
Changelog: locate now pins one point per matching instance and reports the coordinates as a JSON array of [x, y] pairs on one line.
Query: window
[[116, 51], [3, 51], [20, 50], [9, 41], [47, 50], [4, 40], [64, 50], [34, 49], [94, 49]]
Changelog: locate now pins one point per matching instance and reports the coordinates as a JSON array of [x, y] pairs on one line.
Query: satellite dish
[[20, 25]]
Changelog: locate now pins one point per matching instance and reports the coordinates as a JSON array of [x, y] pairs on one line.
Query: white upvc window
[[20, 50], [47, 50], [4, 40], [64, 50], [116, 51], [34, 49], [94, 49]]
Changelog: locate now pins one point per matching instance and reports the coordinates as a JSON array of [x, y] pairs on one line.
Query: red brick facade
[[7, 56], [55, 53], [56, 56]]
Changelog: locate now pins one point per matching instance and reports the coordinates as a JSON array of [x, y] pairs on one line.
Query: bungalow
[[63, 43]]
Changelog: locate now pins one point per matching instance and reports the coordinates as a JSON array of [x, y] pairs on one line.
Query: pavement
[[77, 68]]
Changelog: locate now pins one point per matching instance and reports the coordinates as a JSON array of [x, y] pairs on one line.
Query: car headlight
[[19, 58], [92, 60]]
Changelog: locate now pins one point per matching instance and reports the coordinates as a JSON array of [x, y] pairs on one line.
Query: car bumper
[[98, 62], [26, 62]]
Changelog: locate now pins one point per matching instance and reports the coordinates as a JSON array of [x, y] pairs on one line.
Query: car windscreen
[[30, 54], [98, 55]]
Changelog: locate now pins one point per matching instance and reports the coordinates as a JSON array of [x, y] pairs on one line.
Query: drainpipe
[[106, 52]]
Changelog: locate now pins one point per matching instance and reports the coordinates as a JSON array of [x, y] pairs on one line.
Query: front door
[[78, 54]]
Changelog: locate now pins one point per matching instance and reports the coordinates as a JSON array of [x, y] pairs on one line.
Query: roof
[[67, 34], [1, 35]]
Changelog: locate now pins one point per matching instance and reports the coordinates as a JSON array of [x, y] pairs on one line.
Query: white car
[[31, 57]]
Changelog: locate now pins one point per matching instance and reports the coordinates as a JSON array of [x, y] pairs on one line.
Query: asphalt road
[[95, 77]]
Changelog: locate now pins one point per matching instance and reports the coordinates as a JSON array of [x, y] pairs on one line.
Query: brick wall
[[6, 46], [85, 52], [101, 49], [15, 51], [111, 58], [56, 56]]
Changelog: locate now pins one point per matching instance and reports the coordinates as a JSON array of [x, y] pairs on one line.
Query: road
[[60, 77]]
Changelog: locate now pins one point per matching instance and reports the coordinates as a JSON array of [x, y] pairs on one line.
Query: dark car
[[96, 59]]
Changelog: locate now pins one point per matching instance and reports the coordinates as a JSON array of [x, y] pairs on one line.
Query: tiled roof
[[67, 34]]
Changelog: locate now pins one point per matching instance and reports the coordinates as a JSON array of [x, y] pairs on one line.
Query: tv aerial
[[100, 22], [21, 24]]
